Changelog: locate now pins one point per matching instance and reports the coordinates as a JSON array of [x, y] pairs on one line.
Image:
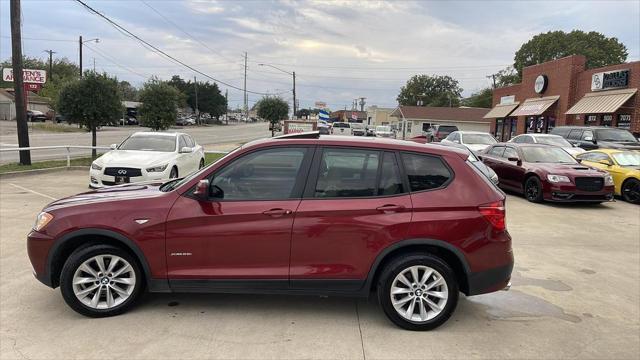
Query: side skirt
[[352, 288]]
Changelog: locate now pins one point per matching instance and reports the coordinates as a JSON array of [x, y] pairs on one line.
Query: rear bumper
[[490, 280]]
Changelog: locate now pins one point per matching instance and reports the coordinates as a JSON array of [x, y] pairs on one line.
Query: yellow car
[[624, 167]]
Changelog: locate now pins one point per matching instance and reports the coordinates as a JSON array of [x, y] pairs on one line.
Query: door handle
[[277, 212], [390, 208]]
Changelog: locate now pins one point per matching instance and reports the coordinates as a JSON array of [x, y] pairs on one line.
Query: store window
[[499, 129], [591, 120], [624, 121], [607, 120]]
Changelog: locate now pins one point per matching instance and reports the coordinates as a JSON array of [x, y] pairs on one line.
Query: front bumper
[[38, 247], [569, 193], [97, 179]]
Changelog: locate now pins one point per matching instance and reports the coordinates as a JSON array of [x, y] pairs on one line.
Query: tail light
[[495, 214]]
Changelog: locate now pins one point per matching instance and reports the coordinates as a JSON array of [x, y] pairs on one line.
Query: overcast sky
[[340, 50]]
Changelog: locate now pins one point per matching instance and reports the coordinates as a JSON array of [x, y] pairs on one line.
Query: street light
[[294, 83], [80, 42]]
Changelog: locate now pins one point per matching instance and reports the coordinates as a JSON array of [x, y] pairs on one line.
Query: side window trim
[[296, 192]]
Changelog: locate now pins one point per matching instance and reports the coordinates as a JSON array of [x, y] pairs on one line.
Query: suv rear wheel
[[100, 281], [418, 292]]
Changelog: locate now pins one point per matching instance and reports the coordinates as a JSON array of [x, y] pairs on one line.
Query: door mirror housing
[[605, 162], [517, 160], [113, 146], [202, 189], [185, 149]]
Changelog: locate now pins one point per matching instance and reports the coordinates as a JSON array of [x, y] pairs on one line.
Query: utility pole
[[80, 53], [50, 52], [362, 103], [493, 76], [226, 105], [94, 64], [195, 83], [18, 83], [295, 106], [246, 100]]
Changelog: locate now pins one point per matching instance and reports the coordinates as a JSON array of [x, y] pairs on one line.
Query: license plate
[[122, 180]]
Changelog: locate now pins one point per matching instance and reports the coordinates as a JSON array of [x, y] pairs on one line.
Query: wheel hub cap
[[104, 281], [419, 293]]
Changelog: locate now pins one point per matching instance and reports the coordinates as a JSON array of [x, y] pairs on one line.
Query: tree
[[273, 109], [127, 91], [62, 69], [481, 99], [304, 113], [507, 76], [210, 100], [597, 48], [431, 90], [92, 101], [160, 102]]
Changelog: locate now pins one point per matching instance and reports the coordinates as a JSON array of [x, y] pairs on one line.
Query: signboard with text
[[609, 80], [29, 76]]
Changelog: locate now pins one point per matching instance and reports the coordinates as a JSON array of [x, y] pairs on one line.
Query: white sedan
[[474, 140], [146, 156], [549, 139]]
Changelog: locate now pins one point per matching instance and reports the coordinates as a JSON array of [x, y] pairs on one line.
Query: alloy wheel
[[532, 190], [104, 281], [631, 191], [419, 293]]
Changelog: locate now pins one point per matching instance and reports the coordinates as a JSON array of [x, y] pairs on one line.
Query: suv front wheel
[[100, 281], [418, 292]]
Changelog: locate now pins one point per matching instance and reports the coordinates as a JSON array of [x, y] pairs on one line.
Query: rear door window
[[510, 153], [347, 173], [575, 134], [425, 172]]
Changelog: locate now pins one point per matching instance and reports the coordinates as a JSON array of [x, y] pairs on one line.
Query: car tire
[[533, 189], [412, 306], [631, 191], [83, 285], [201, 165], [174, 173]]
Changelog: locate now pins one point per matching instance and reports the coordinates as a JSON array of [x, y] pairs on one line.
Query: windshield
[[614, 135], [484, 139], [149, 143], [553, 140], [627, 158], [539, 154], [357, 126], [383, 128], [340, 125]]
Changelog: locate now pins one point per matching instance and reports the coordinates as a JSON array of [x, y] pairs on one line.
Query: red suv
[[297, 215]]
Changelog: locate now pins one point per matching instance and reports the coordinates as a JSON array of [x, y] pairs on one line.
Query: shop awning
[[500, 111], [535, 106], [602, 102]]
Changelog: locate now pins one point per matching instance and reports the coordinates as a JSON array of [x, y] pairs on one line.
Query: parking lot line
[[32, 191]]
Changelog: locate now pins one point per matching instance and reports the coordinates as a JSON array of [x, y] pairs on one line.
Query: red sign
[[28, 75]]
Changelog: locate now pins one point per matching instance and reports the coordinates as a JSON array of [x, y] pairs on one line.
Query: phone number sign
[[28, 76]]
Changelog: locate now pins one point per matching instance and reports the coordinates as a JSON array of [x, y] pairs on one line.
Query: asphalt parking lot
[[575, 294]]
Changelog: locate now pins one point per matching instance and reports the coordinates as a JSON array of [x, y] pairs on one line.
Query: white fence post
[[68, 157]]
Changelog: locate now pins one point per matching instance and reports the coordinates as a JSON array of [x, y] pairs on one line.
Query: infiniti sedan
[[147, 156]]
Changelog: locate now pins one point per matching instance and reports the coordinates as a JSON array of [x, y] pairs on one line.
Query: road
[[574, 296], [209, 137]]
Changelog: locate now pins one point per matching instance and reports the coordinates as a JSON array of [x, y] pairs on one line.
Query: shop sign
[[507, 100], [609, 80], [541, 84], [607, 120], [624, 121], [29, 76], [592, 119]]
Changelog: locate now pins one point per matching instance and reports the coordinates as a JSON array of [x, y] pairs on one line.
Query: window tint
[[149, 143], [510, 153], [425, 172], [189, 140], [347, 173], [390, 180], [574, 134], [181, 142], [496, 151], [265, 174]]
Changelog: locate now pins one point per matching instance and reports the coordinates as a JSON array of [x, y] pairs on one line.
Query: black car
[[35, 115], [590, 138]]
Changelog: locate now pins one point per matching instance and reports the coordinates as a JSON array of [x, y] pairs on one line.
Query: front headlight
[[95, 166], [558, 178], [160, 168], [608, 180], [42, 220]]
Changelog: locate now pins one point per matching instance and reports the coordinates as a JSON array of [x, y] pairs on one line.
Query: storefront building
[[565, 92]]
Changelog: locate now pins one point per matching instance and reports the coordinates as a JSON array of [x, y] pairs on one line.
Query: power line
[[40, 39], [110, 59], [385, 67], [183, 31], [156, 49]]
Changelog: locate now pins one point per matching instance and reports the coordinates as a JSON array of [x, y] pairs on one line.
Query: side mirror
[[605, 162], [185, 149], [588, 138], [113, 146], [202, 189], [517, 160]]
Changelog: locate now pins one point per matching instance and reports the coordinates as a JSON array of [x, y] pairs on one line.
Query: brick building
[[565, 92]]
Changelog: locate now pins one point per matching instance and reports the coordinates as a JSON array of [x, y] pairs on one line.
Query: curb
[[13, 174]]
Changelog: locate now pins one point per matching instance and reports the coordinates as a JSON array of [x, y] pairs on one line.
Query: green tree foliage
[[597, 48], [272, 109], [210, 99], [160, 102], [127, 91], [481, 99], [432, 90], [303, 113], [92, 101]]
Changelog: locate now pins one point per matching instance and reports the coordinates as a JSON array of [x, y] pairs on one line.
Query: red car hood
[[114, 193], [567, 169]]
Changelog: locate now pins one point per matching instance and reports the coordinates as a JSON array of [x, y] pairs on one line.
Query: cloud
[[206, 6]]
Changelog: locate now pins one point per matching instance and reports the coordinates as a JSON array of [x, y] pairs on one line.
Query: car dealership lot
[[575, 294]]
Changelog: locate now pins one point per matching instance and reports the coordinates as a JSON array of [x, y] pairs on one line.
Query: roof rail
[[303, 135]]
